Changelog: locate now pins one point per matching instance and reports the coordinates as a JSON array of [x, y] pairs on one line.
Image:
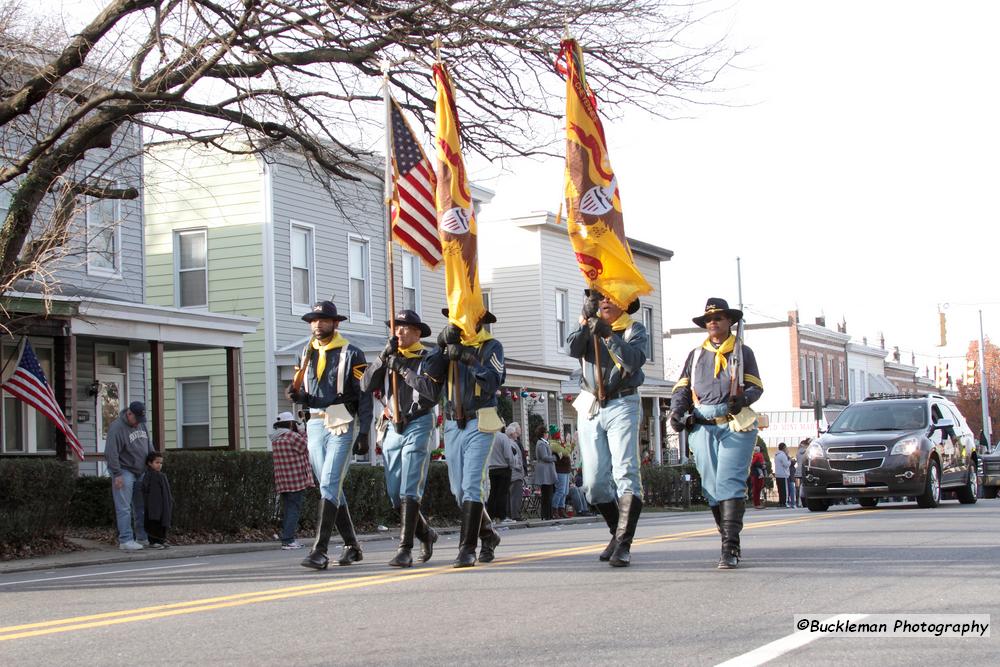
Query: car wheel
[[868, 503], [817, 504], [990, 491], [931, 496], [968, 494]]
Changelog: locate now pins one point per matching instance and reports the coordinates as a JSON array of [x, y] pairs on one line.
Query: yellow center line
[[240, 599]]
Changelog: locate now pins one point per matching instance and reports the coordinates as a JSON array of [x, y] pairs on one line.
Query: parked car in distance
[[892, 445], [989, 472]]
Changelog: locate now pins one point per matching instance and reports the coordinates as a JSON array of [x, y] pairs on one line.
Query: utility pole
[[983, 390]]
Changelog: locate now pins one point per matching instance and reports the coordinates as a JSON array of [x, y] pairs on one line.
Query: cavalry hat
[[488, 318], [632, 307], [716, 306], [283, 418], [412, 319], [323, 310]]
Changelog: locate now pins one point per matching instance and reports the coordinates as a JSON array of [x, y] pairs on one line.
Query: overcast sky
[[861, 182]]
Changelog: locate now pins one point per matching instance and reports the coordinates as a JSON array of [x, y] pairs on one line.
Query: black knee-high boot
[[629, 509], [408, 512], [732, 524], [472, 516], [427, 536], [717, 513], [352, 550], [489, 538], [317, 558], [610, 513]]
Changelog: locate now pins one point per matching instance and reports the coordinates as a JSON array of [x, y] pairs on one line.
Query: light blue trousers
[[609, 450], [330, 456], [466, 451], [129, 507], [407, 457], [721, 456]]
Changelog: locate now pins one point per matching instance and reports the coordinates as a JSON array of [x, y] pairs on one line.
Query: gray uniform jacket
[[478, 383], [419, 385], [621, 358], [322, 392], [698, 379], [126, 447], [545, 464]]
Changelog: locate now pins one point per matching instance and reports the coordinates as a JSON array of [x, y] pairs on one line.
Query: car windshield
[[881, 417]]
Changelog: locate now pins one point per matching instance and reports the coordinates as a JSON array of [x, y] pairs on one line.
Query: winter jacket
[[126, 447]]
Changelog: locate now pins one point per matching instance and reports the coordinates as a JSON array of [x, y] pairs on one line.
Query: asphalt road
[[546, 600]]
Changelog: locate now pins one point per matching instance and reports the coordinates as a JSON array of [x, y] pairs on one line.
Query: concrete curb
[[107, 555]]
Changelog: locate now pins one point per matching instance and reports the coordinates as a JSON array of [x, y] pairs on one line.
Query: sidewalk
[[98, 553]]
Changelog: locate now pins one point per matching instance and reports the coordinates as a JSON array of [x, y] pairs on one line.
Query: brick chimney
[[793, 316], [821, 320]]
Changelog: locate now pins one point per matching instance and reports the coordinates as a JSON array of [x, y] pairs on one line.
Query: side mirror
[[944, 422]]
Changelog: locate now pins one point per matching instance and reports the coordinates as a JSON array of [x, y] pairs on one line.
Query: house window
[[360, 284], [647, 321], [103, 237], [803, 381], [562, 314], [843, 381], [302, 265], [488, 303], [191, 252], [812, 379], [411, 282], [26, 430], [193, 413], [854, 385], [822, 382]]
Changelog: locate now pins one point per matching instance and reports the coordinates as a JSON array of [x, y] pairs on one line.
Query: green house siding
[[190, 188]]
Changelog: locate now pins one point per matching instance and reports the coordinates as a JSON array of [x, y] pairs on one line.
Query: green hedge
[[231, 492], [34, 494]]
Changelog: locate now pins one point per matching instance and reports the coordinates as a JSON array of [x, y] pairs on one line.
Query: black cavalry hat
[[488, 318], [323, 310], [412, 319], [632, 307], [714, 306]]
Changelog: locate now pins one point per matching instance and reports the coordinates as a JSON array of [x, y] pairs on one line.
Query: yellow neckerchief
[[481, 337], [335, 341], [720, 354], [622, 323], [412, 351]]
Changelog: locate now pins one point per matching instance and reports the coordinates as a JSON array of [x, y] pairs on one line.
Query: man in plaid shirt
[[292, 474]]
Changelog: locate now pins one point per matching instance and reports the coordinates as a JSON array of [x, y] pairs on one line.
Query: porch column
[[655, 432], [156, 394], [233, 396], [60, 380]]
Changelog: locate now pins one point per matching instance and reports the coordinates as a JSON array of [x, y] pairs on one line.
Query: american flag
[[414, 211], [29, 385]]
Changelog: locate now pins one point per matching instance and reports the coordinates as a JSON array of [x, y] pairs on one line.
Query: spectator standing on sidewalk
[[518, 470], [126, 447], [292, 474], [545, 471], [757, 474], [793, 484], [782, 469], [564, 466], [501, 465], [158, 501]]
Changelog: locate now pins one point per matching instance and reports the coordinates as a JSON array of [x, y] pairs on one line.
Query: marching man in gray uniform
[[715, 406], [415, 390], [608, 415], [332, 392]]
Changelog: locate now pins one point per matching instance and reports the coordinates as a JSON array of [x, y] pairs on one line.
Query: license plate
[[857, 479]]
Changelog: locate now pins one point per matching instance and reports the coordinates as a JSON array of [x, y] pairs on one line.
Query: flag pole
[[388, 228]]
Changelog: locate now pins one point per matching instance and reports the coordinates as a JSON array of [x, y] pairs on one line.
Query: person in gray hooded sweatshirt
[[125, 452]]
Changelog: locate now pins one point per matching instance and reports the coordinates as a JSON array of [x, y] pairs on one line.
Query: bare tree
[[306, 73]]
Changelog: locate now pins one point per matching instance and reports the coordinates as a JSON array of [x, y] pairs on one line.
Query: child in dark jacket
[[159, 501]]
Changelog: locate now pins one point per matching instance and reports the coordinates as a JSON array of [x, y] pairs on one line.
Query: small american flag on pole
[[414, 211], [29, 385]]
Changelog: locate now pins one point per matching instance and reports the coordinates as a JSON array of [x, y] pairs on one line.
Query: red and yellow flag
[[456, 217], [593, 204]]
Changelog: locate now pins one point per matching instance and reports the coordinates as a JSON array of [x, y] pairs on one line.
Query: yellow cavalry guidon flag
[[456, 218], [593, 205]]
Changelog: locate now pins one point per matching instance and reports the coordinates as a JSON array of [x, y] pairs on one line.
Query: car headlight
[[906, 446], [815, 451]]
